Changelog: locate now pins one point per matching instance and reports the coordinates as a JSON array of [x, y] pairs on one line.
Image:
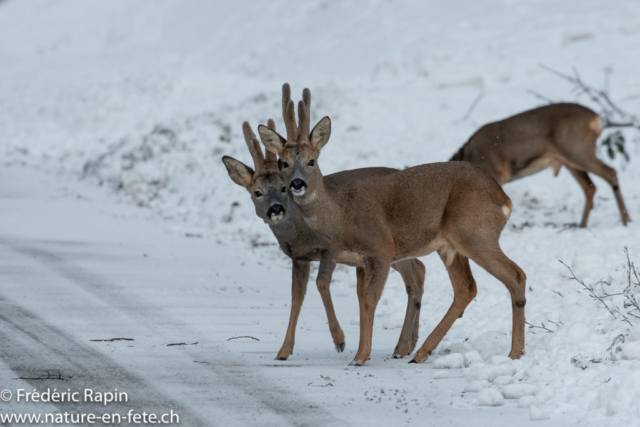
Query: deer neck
[[321, 212], [287, 231]]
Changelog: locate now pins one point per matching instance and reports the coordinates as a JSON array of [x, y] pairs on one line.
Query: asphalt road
[[76, 268]]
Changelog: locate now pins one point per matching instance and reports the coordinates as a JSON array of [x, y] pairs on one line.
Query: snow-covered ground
[[144, 98]]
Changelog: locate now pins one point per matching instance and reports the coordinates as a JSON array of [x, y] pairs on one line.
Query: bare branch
[[593, 294], [612, 115], [541, 97], [539, 327], [472, 107]]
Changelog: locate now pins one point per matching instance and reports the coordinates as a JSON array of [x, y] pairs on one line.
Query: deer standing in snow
[[454, 208], [270, 197], [555, 135]]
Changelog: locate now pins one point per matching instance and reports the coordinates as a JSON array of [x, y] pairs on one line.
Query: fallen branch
[[181, 343], [114, 339], [243, 336]]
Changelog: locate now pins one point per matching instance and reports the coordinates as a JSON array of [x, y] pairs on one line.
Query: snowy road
[[74, 267]]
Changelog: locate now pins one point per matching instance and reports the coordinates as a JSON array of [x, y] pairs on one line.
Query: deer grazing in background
[[552, 136], [271, 200], [454, 208]]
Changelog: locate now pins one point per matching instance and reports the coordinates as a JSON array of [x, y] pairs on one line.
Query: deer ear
[[271, 140], [321, 133], [240, 173]]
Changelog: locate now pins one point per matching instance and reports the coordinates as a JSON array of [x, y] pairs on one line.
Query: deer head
[[265, 184], [299, 151]]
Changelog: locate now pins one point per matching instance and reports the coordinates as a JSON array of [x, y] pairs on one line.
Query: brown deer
[[555, 135], [455, 209], [271, 200]]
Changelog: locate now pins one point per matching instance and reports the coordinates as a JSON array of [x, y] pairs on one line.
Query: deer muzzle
[[275, 212], [298, 187]]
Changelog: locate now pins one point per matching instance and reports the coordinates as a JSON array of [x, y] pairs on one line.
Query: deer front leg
[[300, 273], [412, 272], [371, 280], [323, 281]]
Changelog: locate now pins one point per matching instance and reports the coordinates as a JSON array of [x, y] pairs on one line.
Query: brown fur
[[456, 209], [552, 136], [299, 243]]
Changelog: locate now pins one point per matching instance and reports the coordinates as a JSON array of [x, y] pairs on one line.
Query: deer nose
[[276, 212], [298, 187]]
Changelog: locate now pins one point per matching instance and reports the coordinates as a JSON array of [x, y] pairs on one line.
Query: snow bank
[[489, 397]]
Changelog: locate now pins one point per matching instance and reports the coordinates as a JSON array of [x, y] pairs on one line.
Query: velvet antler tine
[[254, 149], [304, 121], [306, 97], [290, 122], [271, 160], [286, 97]]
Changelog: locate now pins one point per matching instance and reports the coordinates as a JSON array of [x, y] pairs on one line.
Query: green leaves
[[614, 143]]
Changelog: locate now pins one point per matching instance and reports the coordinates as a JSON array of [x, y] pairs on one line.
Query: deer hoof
[[340, 347], [354, 363], [280, 358]]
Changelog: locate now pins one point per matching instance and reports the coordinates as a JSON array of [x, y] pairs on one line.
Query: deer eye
[[258, 193], [284, 189], [285, 164], [311, 162]]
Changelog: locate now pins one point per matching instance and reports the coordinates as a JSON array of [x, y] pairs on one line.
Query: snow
[[489, 397], [631, 351], [451, 361], [538, 414], [516, 391], [140, 100]]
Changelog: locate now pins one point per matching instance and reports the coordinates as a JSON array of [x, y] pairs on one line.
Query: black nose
[[275, 210], [298, 184]]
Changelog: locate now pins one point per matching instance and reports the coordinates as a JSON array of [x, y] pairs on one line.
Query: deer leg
[[596, 166], [502, 268], [464, 291], [371, 280], [413, 273], [300, 273], [323, 281], [589, 190]]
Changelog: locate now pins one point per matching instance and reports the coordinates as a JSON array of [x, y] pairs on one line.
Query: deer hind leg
[[323, 281], [589, 190], [502, 268], [371, 280], [413, 273], [464, 291], [594, 165], [300, 273]]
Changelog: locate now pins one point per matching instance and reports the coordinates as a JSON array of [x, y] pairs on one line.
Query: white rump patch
[[596, 125]]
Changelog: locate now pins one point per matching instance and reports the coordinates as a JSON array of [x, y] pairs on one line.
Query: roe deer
[[271, 200], [555, 135], [453, 208]]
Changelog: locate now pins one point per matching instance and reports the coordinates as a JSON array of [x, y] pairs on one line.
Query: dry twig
[[243, 336]]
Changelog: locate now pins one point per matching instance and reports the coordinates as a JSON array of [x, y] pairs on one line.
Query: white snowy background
[[143, 98]]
